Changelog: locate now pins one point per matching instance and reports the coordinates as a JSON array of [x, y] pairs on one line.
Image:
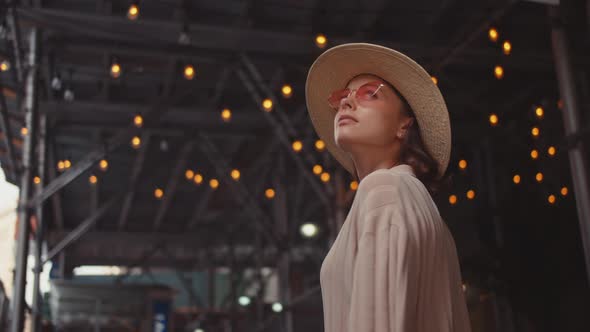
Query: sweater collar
[[403, 168]]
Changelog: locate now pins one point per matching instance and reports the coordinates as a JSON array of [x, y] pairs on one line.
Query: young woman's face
[[375, 119]]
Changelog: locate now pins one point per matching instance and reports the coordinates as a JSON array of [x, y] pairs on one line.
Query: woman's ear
[[405, 127]]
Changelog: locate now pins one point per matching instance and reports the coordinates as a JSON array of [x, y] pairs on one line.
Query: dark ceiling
[[244, 51]]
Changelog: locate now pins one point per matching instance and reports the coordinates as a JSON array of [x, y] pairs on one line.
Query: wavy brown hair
[[414, 153]]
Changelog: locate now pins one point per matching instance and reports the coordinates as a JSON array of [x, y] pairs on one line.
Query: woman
[[393, 265]]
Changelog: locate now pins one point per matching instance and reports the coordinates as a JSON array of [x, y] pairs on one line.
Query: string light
[[516, 179], [507, 47], [103, 165], [277, 307], [309, 230], [493, 34], [325, 177], [267, 105], [564, 191], [539, 112], [226, 115], [270, 193], [115, 70], [133, 12], [198, 179], [213, 183], [37, 180], [136, 142], [462, 164], [287, 91], [320, 145], [534, 154], [189, 174], [235, 174], [158, 193], [4, 65], [321, 40], [499, 72], [539, 177], [243, 301], [434, 80], [535, 132], [453, 199], [24, 131], [93, 179], [551, 199], [67, 163], [317, 169], [189, 72], [493, 119], [297, 146], [60, 165], [138, 121], [354, 185], [471, 194], [551, 151]]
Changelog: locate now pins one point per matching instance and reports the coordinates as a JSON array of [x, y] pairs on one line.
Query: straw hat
[[337, 66]]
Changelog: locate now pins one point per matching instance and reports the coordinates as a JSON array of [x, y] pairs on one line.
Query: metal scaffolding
[[24, 210], [572, 123]]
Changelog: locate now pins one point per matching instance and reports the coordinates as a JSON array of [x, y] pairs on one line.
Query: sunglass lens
[[337, 96]]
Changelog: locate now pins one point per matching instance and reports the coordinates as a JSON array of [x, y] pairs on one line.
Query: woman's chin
[[343, 141]]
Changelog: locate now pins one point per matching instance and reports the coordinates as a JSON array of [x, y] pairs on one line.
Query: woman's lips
[[345, 121]]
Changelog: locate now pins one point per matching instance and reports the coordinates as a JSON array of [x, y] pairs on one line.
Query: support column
[[39, 235], [282, 229], [572, 123], [24, 212]]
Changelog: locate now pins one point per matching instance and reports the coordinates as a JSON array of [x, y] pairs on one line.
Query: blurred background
[[170, 179]]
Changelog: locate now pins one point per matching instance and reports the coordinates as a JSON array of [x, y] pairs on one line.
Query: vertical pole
[[24, 213], [37, 298], [572, 121], [282, 225], [492, 194], [233, 274], [259, 281]]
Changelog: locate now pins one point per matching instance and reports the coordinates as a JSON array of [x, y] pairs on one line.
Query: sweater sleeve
[[384, 286]]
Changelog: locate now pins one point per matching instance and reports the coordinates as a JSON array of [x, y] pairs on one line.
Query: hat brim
[[334, 68]]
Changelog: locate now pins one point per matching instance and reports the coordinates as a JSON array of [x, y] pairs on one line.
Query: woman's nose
[[348, 102]]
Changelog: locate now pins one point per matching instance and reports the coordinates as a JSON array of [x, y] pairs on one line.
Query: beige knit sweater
[[393, 266]]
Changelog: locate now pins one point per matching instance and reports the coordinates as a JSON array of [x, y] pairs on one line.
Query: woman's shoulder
[[391, 178], [383, 187]]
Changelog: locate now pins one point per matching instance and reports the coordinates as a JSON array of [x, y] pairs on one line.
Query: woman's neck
[[366, 167]]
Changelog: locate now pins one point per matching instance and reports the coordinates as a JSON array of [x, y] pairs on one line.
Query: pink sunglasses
[[363, 94]]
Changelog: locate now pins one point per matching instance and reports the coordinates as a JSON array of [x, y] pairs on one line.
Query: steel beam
[[200, 207], [82, 228], [282, 230], [159, 107], [56, 205], [282, 137], [6, 129], [37, 305], [188, 248], [16, 43], [135, 172], [170, 189], [24, 210], [472, 34], [212, 43], [252, 209], [572, 123]]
